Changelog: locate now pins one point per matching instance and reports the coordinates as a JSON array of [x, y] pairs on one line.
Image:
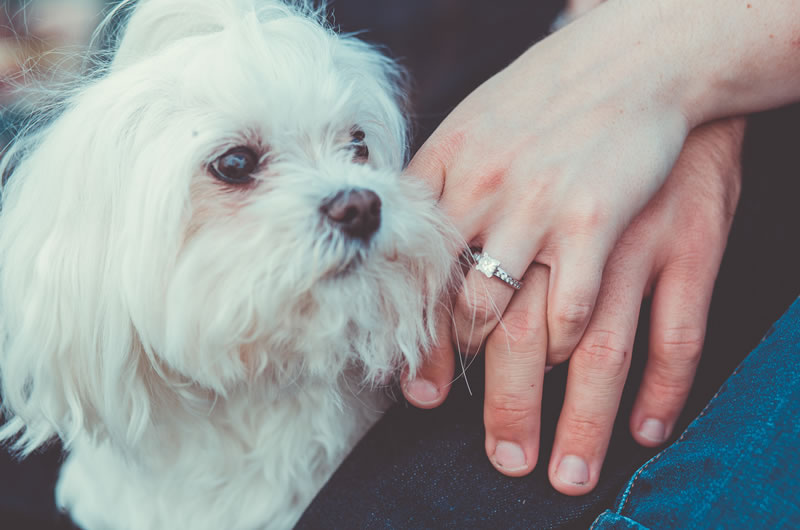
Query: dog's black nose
[[357, 212]]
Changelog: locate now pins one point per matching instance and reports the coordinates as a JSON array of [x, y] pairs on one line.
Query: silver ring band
[[489, 267]]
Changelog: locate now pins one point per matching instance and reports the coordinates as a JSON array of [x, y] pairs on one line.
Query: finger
[[596, 377], [678, 326], [484, 297], [429, 386], [515, 363], [574, 285], [432, 160]]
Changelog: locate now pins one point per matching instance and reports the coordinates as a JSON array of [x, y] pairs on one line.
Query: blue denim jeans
[[736, 465]]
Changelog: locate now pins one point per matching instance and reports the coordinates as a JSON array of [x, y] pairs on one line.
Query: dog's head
[[226, 202]]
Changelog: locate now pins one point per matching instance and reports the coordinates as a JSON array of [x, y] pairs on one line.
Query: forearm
[[707, 58], [746, 54]]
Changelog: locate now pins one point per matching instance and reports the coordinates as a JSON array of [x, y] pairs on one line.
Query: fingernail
[[653, 430], [422, 391], [573, 470], [509, 456], [547, 368]]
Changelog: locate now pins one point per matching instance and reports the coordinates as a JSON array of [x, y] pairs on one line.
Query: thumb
[[431, 162]]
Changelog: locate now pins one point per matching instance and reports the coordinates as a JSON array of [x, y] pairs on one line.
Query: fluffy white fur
[[208, 354]]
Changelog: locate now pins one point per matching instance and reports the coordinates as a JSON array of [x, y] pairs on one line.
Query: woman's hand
[[549, 161]]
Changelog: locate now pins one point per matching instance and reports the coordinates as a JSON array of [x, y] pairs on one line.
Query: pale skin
[[600, 167]]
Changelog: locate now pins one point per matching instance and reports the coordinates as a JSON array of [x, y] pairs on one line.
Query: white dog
[[208, 260]]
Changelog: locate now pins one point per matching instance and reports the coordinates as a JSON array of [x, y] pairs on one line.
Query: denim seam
[[627, 495], [594, 523]]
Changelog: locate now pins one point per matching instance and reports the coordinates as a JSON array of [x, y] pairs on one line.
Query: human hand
[[672, 250], [549, 161]]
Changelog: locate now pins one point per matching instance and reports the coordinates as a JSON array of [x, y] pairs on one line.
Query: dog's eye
[[359, 145], [236, 166]]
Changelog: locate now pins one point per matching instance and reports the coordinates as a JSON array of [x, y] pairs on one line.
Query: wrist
[[739, 57], [712, 158], [708, 59], [644, 48], [719, 143]]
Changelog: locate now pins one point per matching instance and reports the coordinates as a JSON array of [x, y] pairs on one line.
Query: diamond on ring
[[488, 266]]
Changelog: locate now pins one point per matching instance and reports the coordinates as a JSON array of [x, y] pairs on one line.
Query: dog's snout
[[357, 212]]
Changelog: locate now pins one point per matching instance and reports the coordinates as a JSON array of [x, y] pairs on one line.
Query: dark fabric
[[27, 499], [736, 465], [618, 522]]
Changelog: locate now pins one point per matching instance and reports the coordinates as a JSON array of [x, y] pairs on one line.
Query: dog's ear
[[71, 359]]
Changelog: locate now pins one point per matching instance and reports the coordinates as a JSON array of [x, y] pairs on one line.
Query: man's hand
[[673, 251]]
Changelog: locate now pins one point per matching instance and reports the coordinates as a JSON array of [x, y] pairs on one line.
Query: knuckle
[[539, 193], [668, 391], [470, 346], [521, 330], [507, 411], [688, 260], [476, 305], [682, 344], [555, 357], [603, 350], [574, 315], [489, 181], [585, 431], [586, 215]]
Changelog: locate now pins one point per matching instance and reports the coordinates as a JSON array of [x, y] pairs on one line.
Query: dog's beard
[[278, 288]]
